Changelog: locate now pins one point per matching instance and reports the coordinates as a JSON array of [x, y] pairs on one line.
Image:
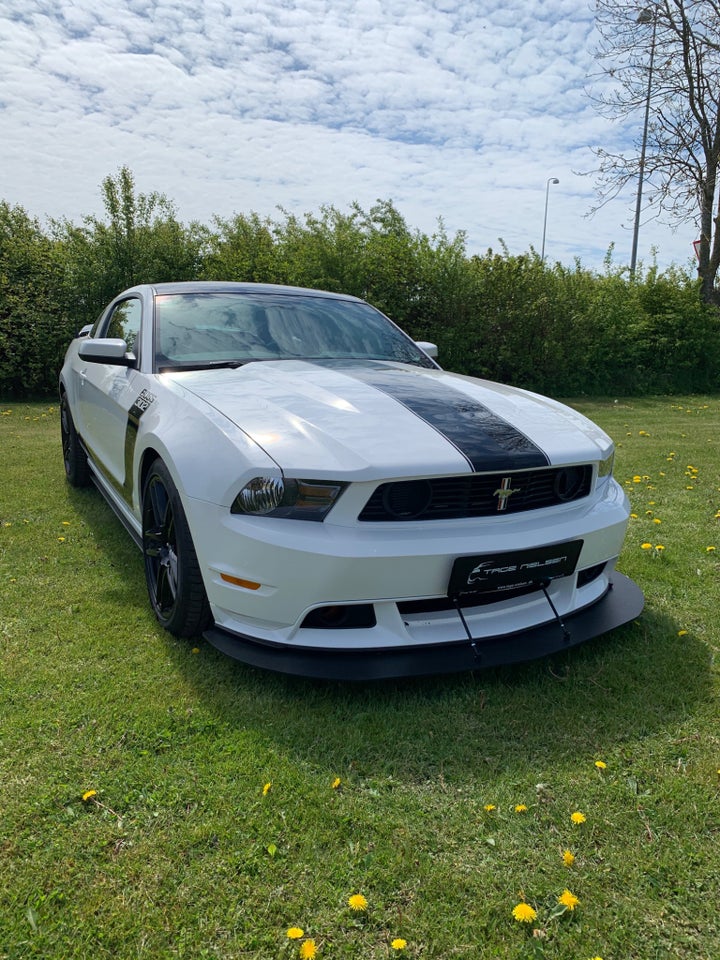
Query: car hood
[[370, 419]]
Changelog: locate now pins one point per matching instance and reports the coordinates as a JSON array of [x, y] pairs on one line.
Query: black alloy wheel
[[172, 572], [77, 469]]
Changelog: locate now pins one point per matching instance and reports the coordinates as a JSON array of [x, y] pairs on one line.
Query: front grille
[[480, 495]]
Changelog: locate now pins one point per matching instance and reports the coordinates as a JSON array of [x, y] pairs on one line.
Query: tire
[[172, 573], [77, 469]]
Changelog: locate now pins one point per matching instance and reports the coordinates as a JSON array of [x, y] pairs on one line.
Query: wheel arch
[[148, 458]]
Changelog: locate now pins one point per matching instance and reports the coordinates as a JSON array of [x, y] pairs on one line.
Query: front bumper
[[622, 602], [299, 567]]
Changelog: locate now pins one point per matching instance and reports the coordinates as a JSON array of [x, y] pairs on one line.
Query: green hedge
[[557, 330]]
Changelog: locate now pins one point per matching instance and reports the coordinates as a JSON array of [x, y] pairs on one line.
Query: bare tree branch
[[681, 162]]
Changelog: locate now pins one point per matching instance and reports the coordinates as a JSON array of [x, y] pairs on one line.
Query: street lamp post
[[547, 197], [646, 16]]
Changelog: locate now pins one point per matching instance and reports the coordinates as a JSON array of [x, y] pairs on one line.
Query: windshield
[[211, 329]]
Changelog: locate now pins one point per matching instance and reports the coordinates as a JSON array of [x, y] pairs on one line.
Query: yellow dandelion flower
[[357, 902], [266, 789], [336, 783], [195, 650], [637, 479], [657, 520], [524, 913], [295, 933], [89, 794], [659, 547], [520, 808], [308, 950], [601, 765], [489, 807], [682, 633], [568, 858], [398, 943], [568, 900], [633, 516], [578, 817], [710, 549], [61, 539], [646, 546]]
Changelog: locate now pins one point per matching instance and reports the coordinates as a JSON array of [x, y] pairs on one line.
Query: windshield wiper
[[202, 365]]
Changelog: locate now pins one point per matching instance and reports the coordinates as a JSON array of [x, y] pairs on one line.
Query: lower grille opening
[[341, 617], [591, 573], [467, 603]]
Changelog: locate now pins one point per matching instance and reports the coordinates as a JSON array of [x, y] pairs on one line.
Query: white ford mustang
[[315, 495]]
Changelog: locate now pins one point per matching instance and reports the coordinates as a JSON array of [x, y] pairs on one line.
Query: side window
[[124, 323]]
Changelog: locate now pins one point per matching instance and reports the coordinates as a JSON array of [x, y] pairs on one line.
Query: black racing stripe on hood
[[486, 440]]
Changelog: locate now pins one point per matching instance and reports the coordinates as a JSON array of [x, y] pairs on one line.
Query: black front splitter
[[623, 602]]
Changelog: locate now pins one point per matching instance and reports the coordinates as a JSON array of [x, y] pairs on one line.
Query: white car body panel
[[218, 429]]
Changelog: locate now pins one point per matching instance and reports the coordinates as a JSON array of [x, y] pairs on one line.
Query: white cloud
[[451, 109]]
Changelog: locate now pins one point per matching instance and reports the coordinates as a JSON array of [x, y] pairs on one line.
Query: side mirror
[[108, 350], [429, 348]]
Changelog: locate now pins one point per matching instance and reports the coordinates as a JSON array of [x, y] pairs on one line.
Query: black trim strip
[[486, 440], [138, 408]]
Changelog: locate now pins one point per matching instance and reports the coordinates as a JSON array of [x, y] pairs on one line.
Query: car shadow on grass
[[641, 679]]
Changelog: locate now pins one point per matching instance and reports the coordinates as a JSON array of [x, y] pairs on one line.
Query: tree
[[33, 330], [666, 56], [140, 241]]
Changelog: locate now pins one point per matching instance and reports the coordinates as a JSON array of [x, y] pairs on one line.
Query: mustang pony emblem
[[504, 492]]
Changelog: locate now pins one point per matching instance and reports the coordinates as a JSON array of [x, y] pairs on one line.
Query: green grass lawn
[[231, 805]]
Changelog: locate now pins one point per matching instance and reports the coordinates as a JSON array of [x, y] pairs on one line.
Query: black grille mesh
[[479, 495]]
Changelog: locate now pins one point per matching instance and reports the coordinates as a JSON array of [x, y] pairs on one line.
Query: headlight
[[292, 499], [605, 467]]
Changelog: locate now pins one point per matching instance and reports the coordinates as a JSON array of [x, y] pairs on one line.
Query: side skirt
[[118, 505]]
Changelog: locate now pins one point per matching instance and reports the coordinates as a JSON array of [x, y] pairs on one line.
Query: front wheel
[[77, 469], [172, 572]]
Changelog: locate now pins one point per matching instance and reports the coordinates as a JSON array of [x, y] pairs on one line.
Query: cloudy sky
[[459, 109]]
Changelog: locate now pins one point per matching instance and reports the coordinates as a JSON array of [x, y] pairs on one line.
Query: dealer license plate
[[499, 572]]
